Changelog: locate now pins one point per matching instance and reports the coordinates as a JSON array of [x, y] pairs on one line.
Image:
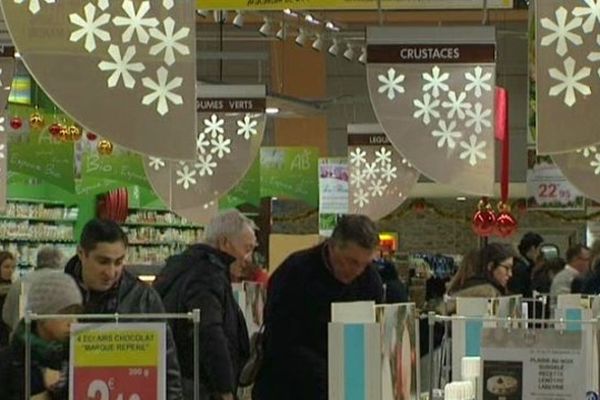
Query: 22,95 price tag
[[118, 362]]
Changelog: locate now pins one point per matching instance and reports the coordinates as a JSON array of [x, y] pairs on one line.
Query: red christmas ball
[[91, 136], [506, 224], [54, 129], [484, 222], [16, 123]]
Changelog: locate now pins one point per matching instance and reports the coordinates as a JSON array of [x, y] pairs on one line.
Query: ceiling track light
[[363, 55], [219, 16], [281, 33], [301, 39], [238, 21], [318, 43], [331, 26], [265, 29], [349, 53], [202, 13], [334, 49]]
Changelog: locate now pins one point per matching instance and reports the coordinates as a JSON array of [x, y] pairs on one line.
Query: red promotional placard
[[117, 383]]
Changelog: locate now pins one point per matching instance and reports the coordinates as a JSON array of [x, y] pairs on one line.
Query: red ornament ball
[[506, 224], [16, 123], [484, 222], [54, 129], [91, 136]]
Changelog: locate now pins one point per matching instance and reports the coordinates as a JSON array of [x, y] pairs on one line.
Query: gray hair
[[357, 229], [227, 224], [49, 257]]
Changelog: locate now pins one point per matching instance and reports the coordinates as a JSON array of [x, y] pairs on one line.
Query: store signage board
[[548, 188], [290, 173], [532, 365], [118, 361], [50, 163], [333, 193], [245, 192], [350, 4]]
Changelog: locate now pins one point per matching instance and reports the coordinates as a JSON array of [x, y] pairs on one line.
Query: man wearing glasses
[[578, 265]]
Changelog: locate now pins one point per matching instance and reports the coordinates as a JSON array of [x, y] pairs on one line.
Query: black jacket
[[297, 314], [199, 279], [130, 296], [520, 282]]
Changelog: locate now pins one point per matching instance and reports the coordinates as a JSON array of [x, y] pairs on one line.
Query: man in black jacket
[[521, 281], [108, 288], [200, 278], [298, 309]]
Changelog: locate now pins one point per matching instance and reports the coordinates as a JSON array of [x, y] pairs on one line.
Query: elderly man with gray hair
[[48, 258], [200, 278]]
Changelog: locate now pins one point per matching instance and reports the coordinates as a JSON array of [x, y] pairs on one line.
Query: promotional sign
[[333, 193], [520, 364], [547, 187], [124, 361], [290, 172], [349, 4]]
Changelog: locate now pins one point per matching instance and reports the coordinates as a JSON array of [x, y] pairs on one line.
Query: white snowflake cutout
[[446, 134], [426, 108], [561, 31], [473, 150], [587, 151], [162, 91], [371, 170], [168, 4], [90, 27], [596, 164], [247, 127], [214, 125], [570, 82], [391, 84], [2, 124], [435, 81], [377, 188], [121, 65], [103, 4], [169, 41], [357, 178], [202, 143], [2, 150], [592, 11], [594, 56], [358, 157], [136, 21], [478, 82], [186, 177], [220, 146], [361, 198], [388, 172], [456, 105], [383, 156], [34, 5], [156, 163], [479, 118], [206, 165]]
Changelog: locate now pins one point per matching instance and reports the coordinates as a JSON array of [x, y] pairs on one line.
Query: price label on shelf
[[118, 362]]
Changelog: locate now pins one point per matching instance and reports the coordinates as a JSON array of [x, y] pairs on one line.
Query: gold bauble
[[75, 133], [105, 147], [64, 134], [36, 120]]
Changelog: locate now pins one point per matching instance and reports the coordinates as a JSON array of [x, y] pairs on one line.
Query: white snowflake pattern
[[426, 108], [358, 157], [388, 172], [34, 5], [156, 163], [361, 198], [103, 4], [168, 41], [596, 164], [220, 146], [2, 122], [391, 84], [136, 21], [479, 118], [446, 134], [247, 127], [478, 81], [202, 143], [383, 156], [121, 66], [214, 125], [587, 151], [168, 4], [456, 105], [570, 82], [377, 188], [435, 81], [594, 56], [186, 177], [357, 178], [473, 150], [592, 11], [205, 165], [90, 27], [162, 91], [561, 31], [371, 170]]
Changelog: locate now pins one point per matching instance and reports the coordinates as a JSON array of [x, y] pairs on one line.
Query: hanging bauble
[[64, 135], [91, 136], [36, 120], [419, 206], [16, 123], [75, 132], [105, 147], [484, 220], [506, 224], [54, 129]]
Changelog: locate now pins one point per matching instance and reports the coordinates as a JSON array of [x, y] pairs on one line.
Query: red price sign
[[115, 383], [553, 191]]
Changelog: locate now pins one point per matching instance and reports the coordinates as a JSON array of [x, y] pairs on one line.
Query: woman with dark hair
[[7, 267]]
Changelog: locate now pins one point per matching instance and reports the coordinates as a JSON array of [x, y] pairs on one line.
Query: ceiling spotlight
[[363, 55], [331, 26], [287, 11], [238, 21], [318, 43], [220, 16], [334, 49], [272, 110], [281, 33], [202, 13], [349, 53], [311, 20], [301, 39], [265, 29]]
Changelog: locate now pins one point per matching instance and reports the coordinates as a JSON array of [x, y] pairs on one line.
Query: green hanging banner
[[52, 163], [126, 169], [247, 191]]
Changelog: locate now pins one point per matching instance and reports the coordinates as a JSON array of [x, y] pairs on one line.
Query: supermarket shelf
[[35, 240], [36, 219], [160, 225]]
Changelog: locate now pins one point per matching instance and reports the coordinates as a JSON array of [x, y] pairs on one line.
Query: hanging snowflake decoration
[[473, 150], [214, 125], [446, 134], [202, 143], [561, 31], [388, 172], [162, 91], [596, 164], [357, 179], [569, 82], [122, 66], [391, 83], [479, 118], [587, 151], [206, 165], [593, 14], [361, 198], [426, 108], [383, 156], [136, 21], [156, 163], [247, 127], [377, 188], [478, 81], [186, 176], [90, 27], [34, 5], [220, 146], [358, 157], [2, 124], [456, 105], [168, 42], [435, 81]]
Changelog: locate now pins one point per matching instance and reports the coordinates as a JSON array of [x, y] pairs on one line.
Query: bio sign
[[118, 362]]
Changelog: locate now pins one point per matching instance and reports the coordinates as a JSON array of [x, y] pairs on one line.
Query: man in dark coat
[[108, 288], [298, 309], [200, 278], [521, 281]]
